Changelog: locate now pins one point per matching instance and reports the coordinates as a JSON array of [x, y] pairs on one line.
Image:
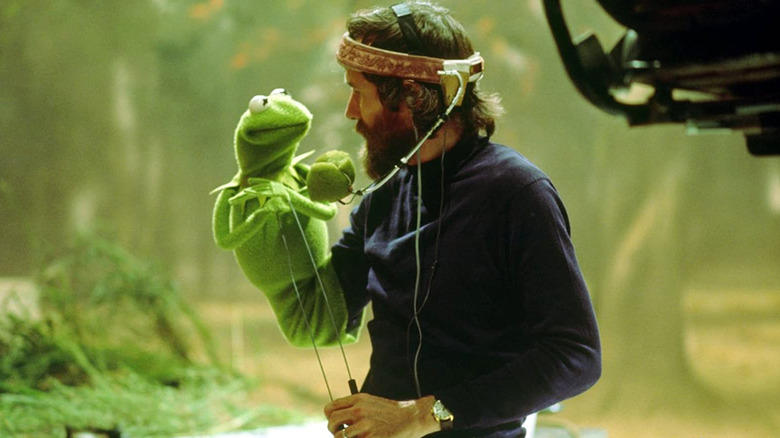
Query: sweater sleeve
[[564, 357]]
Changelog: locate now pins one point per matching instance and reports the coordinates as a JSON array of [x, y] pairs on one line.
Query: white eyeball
[[258, 104], [280, 91]]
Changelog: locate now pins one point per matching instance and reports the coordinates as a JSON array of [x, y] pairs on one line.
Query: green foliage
[[108, 297], [205, 402], [111, 349], [35, 353]]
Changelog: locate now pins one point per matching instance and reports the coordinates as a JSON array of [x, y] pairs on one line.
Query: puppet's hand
[[267, 187], [331, 176], [259, 188]]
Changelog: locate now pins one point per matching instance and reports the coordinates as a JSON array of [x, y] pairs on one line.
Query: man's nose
[[353, 108]]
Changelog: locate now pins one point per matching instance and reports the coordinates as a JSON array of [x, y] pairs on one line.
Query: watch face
[[441, 412]]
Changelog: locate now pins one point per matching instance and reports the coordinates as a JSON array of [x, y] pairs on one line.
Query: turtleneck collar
[[454, 159]]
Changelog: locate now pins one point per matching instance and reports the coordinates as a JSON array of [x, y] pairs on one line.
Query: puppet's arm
[[224, 237], [261, 187]]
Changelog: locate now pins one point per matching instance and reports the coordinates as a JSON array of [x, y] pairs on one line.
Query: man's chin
[[372, 169], [383, 147]]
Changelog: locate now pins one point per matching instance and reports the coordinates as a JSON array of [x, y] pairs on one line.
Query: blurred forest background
[[117, 118]]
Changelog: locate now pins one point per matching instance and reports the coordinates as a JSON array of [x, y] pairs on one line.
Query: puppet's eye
[[280, 91], [258, 104]]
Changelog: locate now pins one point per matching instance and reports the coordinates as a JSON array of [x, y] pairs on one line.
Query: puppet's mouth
[[275, 134]]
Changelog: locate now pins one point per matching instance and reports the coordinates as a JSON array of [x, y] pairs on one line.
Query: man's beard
[[387, 142]]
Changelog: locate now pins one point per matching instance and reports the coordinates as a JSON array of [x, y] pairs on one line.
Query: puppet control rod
[[353, 389]]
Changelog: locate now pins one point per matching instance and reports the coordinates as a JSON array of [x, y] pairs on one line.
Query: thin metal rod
[[303, 311], [322, 288]]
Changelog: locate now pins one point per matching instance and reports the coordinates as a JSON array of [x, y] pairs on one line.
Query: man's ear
[[413, 94]]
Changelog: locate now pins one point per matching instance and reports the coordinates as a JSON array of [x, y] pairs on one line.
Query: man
[[506, 327], [481, 314]]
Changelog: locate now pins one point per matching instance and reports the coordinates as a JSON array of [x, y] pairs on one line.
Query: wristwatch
[[442, 415]]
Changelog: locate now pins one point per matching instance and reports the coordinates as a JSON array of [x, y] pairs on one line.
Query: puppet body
[[278, 234]]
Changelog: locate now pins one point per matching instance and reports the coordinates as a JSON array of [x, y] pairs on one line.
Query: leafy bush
[[113, 349]]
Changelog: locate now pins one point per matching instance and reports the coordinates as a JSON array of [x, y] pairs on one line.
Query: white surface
[[530, 426]]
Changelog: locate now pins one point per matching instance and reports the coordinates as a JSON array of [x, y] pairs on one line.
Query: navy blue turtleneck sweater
[[507, 324]]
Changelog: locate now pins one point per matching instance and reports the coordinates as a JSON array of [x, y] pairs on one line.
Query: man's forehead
[[354, 78]]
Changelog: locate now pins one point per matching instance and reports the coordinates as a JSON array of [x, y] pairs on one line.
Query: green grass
[[114, 346]]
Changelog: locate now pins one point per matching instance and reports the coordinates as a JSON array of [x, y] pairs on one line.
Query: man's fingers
[[343, 411], [349, 416], [356, 430], [338, 419], [336, 429], [340, 403]]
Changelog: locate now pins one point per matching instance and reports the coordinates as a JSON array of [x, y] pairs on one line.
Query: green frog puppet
[[274, 202]]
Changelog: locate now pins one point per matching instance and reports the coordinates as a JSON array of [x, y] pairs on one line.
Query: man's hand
[[369, 416]]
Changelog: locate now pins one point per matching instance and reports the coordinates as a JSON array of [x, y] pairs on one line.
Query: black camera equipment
[[713, 65]]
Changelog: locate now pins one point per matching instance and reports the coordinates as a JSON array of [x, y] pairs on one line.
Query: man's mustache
[[361, 128]]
